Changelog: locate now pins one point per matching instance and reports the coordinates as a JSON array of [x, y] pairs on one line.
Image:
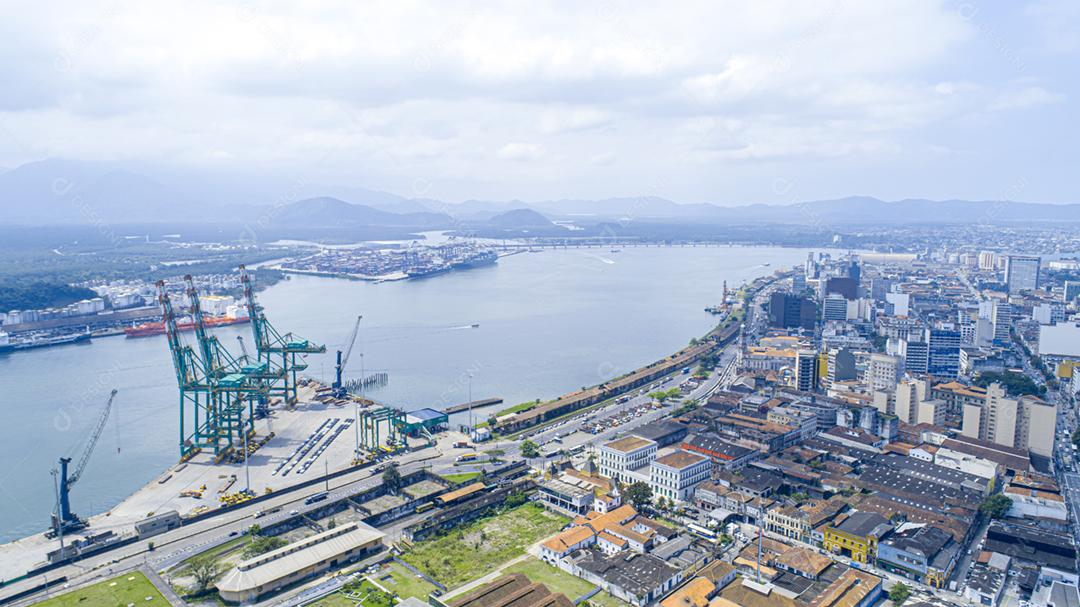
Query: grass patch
[[558, 580], [121, 590], [461, 477], [403, 582], [518, 408], [214, 553], [472, 550], [364, 590]]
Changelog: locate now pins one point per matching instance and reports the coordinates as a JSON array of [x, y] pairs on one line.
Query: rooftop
[[629, 443], [848, 590], [513, 590], [680, 459]]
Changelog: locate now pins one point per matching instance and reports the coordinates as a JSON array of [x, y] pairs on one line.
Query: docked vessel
[[44, 342], [157, 328]]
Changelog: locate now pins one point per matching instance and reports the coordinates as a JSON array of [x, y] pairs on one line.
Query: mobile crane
[[64, 520]]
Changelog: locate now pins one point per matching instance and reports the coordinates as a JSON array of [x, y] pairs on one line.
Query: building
[[565, 497], [919, 552], [916, 354], [853, 588], [845, 286], [662, 432], [856, 536], [674, 476], [789, 311], [511, 590], [1062, 339], [956, 395], [259, 576], [640, 579], [1026, 423], [883, 372], [624, 455], [1022, 273], [909, 394], [724, 454], [841, 366], [1001, 319], [806, 371], [1071, 291], [943, 353]]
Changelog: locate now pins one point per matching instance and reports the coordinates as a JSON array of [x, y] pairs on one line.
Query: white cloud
[[518, 150], [601, 98]]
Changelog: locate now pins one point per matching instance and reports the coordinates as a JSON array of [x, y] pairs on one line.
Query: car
[[294, 512], [234, 533]]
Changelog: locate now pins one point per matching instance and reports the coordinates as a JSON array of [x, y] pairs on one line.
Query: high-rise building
[[987, 260], [1001, 318], [943, 353], [1024, 423], [844, 285], [1022, 273], [909, 393], [854, 271], [806, 371], [883, 372], [1072, 291], [798, 282], [787, 310], [916, 354], [879, 287], [835, 307], [841, 366]]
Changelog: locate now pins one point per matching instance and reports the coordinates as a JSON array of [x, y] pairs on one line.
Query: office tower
[[916, 355], [854, 271], [987, 260], [1001, 318], [841, 366], [883, 372], [798, 283], [806, 371], [1035, 430], [943, 353], [1022, 273], [835, 307], [787, 311], [879, 287], [844, 285], [1072, 291]]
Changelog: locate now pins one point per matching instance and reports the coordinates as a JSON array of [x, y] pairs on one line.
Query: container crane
[[284, 351], [339, 370], [64, 520]]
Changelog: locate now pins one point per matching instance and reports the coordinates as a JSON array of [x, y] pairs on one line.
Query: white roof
[[276, 564]]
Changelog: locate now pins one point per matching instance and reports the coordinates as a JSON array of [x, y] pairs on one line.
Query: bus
[[425, 507], [702, 532], [318, 497], [468, 457]]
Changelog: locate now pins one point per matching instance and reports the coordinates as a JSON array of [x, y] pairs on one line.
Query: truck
[[461, 444], [318, 497], [467, 457]]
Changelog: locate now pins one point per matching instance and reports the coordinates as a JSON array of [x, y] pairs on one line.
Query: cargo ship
[[157, 328]]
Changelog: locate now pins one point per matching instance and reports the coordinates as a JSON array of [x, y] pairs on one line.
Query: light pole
[[471, 425], [59, 521]]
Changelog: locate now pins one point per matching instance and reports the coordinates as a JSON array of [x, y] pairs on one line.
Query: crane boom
[[352, 340], [94, 436]]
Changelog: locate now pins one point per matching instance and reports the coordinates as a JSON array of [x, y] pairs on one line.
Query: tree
[[391, 478], [1076, 437], [331, 524], [638, 494], [514, 500], [254, 530], [529, 449], [262, 545], [899, 593], [204, 571], [492, 421], [995, 506]]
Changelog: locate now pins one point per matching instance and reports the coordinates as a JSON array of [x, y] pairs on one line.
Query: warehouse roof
[[287, 560]]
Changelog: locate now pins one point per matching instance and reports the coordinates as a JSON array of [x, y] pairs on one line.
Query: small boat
[[475, 325]]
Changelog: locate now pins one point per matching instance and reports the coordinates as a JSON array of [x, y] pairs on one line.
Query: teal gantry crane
[[285, 351], [237, 384], [196, 389], [63, 519]]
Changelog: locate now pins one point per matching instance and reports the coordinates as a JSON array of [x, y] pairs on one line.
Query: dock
[[476, 404]]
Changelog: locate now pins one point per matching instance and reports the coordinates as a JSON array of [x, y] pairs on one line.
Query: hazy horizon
[[725, 104]]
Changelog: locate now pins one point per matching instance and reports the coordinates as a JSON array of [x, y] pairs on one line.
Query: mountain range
[[59, 191]]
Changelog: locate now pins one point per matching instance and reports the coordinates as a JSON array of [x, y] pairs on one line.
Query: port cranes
[[339, 369], [196, 390], [284, 351], [63, 519]]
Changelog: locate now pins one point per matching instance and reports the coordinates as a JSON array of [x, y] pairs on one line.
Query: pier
[[476, 404]]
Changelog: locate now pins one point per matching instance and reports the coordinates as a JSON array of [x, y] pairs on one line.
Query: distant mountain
[[332, 212], [520, 219], [68, 192]]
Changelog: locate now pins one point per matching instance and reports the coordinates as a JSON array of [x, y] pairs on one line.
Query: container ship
[[157, 328]]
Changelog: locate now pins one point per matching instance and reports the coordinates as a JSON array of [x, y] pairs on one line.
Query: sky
[[721, 102]]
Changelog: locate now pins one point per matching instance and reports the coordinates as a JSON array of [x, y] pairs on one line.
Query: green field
[[403, 582], [558, 580], [365, 591], [119, 591], [472, 550], [460, 478]]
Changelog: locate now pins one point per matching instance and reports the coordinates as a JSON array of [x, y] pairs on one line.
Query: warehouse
[[267, 573]]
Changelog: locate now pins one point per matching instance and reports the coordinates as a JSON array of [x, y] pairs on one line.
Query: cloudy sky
[[729, 103]]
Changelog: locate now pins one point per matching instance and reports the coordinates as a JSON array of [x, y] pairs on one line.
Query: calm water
[[549, 322]]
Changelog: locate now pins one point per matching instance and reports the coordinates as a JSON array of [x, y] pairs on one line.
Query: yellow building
[[856, 536]]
